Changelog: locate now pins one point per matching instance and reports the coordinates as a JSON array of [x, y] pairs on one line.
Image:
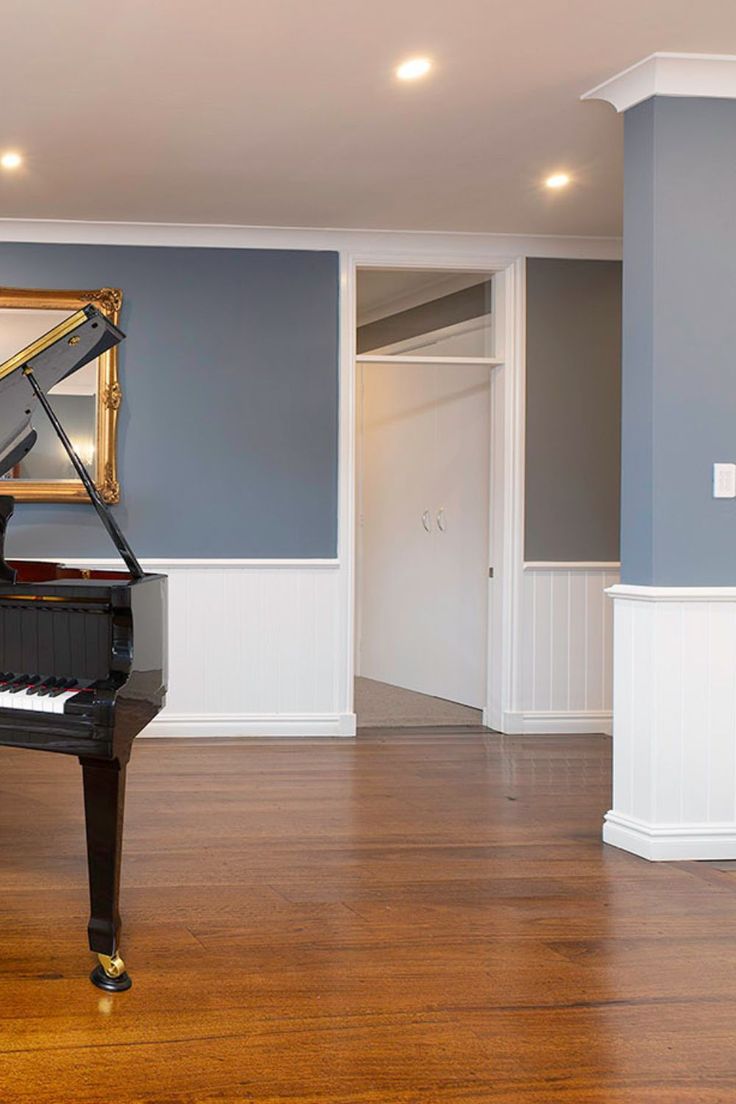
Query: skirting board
[[670, 842], [252, 724], [546, 723]]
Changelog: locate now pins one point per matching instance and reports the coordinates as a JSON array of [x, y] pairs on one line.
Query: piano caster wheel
[[110, 975]]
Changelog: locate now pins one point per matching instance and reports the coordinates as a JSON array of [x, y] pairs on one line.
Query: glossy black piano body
[[102, 629], [82, 653]]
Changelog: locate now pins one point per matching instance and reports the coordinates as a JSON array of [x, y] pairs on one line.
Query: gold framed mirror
[[87, 402]]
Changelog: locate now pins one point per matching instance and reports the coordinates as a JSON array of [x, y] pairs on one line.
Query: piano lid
[[70, 345]]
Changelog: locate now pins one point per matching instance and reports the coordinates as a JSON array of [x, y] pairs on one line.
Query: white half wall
[[566, 649], [256, 648], [674, 747], [260, 648]]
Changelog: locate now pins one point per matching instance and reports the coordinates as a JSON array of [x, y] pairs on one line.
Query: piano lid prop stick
[[126, 552]]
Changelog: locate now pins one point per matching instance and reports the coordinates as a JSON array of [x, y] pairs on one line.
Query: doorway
[[425, 344]]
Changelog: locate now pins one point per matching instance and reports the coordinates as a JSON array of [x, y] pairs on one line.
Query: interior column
[[674, 744]]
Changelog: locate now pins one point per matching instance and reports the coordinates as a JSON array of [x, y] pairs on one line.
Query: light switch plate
[[724, 480]]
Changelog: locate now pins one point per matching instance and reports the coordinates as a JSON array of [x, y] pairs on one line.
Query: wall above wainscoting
[[573, 409], [228, 429]]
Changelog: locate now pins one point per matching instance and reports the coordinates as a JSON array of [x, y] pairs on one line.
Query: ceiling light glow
[[413, 68], [557, 180], [11, 160]]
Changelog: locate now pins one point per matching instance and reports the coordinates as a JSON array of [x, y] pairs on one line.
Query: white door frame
[[506, 512]]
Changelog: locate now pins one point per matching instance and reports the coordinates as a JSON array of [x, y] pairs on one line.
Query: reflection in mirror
[[74, 400], [87, 403]]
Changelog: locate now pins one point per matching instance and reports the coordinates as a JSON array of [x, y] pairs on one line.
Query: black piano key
[[40, 685], [23, 683], [46, 685]]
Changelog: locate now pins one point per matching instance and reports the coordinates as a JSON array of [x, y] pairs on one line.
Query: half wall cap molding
[[710, 75], [634, 592]]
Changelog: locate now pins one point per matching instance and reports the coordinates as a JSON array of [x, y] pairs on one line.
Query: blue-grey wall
[[679, 347], [228, 433], [573, 409]]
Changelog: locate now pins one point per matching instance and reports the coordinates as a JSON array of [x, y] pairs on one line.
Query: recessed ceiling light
[[557, 180], [11, 160], [413, 68]]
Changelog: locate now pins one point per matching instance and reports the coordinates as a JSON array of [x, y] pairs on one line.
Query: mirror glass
[[87, 403], [74, 401]]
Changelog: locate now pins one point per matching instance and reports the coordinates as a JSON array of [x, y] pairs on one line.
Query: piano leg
[[104, 799]]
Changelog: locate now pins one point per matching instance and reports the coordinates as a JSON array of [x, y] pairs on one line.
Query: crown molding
[[661, 74], [434, 243]]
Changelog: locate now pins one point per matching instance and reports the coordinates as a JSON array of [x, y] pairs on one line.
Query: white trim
[[424, 246], [153, 564], [507, 523], [635, 593], [666, 74], [403, 358], [346, 485], [670, 842], [548, 723], [507, 463], [572, 565], [252, 724]]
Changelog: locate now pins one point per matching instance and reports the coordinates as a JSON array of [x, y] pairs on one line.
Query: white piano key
[[62, 699], [33, 703]]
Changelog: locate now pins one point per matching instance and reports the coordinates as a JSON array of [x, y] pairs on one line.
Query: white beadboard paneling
[[696, 757], [567, 648], [254, 648], [674, 748]]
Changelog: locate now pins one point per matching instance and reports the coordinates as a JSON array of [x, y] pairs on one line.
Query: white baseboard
[[547, 723], [668, 842], [252, 724]]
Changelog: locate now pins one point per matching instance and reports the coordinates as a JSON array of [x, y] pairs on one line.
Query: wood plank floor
[[406, 918]]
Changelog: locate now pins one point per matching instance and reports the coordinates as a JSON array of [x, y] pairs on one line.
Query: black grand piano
[[82, 653]]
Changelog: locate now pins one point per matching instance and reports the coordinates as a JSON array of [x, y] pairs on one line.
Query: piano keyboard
[[39, 693]]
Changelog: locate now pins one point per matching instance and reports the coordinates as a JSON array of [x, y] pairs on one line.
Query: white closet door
[[461, 488], [424, 532]]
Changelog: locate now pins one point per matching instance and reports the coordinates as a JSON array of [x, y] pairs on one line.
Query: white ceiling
[[287, 113]]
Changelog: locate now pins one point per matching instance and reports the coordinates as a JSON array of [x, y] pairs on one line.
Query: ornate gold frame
[[109, 397]]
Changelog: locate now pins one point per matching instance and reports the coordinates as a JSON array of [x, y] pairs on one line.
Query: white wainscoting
[[255, 648], [566, 648], [674, 752], [259, 648]]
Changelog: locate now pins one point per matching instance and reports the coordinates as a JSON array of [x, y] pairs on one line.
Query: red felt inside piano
[[42, 571]]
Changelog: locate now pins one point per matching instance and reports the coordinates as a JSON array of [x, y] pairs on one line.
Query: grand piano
[[82, 653]]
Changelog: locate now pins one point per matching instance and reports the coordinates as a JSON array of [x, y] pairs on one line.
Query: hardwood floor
[[409, 917]]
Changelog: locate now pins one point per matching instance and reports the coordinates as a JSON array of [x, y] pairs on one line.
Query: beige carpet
[[379, 705]]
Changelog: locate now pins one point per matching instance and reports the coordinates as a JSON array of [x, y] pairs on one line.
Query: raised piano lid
[[76, 341]]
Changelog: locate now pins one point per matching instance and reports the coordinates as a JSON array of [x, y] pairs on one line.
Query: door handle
[[426, 521], [441, 519]]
